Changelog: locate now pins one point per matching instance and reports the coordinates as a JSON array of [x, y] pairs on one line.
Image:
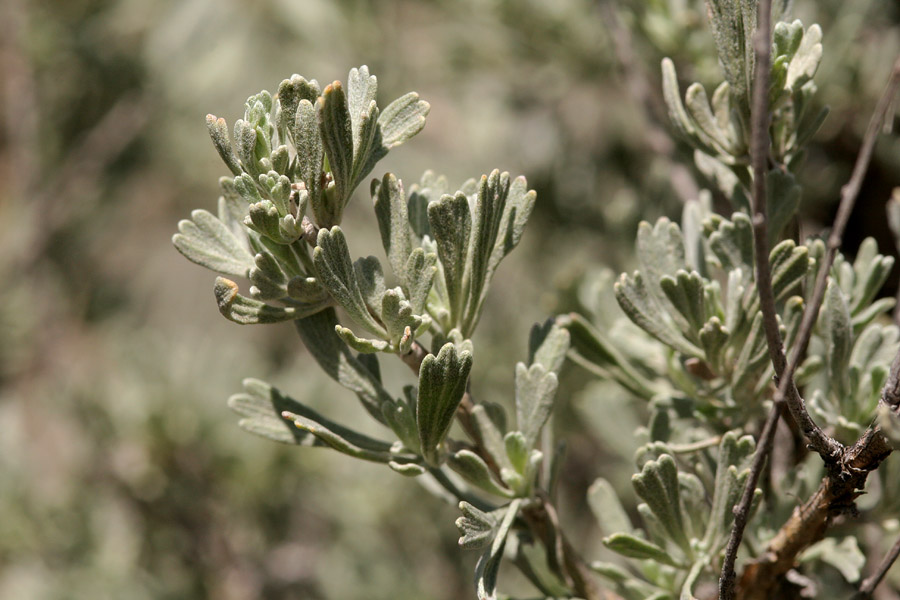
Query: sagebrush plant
[[730, 323]]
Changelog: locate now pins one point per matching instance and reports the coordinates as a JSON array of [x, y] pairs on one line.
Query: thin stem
[[446, 483], [759, 154], [871, 582], [742, 509], [696, 446]]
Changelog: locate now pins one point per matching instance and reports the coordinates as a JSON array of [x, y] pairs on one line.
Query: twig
[[759, 154], [835, 496], [696, 446], [809, 522], [871, 582]]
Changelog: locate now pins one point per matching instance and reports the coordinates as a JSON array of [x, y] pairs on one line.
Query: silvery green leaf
[[535, 392], [264, 218], [306, 289], [786, 38], [640, 305], [231, 207], [783, 200], [837, 330], [714, 338], [517, 202], [679, 117], [361, 91], [451, 224], [590, 344], [268, 279], [707, 127], [868, 314], [489, 564], [339, 363], [845, 556], [310, 154], [607, 509], [659, 428], [393, 222], [872, 270], [893, 215], [400, 416], [734, 303], [692, 216], [790, 264], [207, 241], [336, 440], [279, 189], [287, 256], [806, 60], [291, 92], [262, 406], [281, 160], [402, 325], [635, 547], [337, 139], [366, 141], [657, 484], [686, 292], [245, 135], [660, 250], [731, 471], [402, 119], [245, 186], [218, 131], [409, 469], [732, 243], [517, 450], [337, 274], [487, 214], [490, 434], [548, 345], [733, 24], [419, 274], [476, 527], [474, 470], [752, 357], [442, 383], [362, 345], [429, 189], [370, 278], [247, 311]]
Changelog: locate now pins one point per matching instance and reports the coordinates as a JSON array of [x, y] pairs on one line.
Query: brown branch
[[871, 582], [836, 496], [808, 523]]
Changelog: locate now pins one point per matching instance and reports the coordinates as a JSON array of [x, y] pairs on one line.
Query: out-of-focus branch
[[869, 584]]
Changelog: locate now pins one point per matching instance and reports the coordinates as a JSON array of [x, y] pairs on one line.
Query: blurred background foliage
[[122, 473]]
